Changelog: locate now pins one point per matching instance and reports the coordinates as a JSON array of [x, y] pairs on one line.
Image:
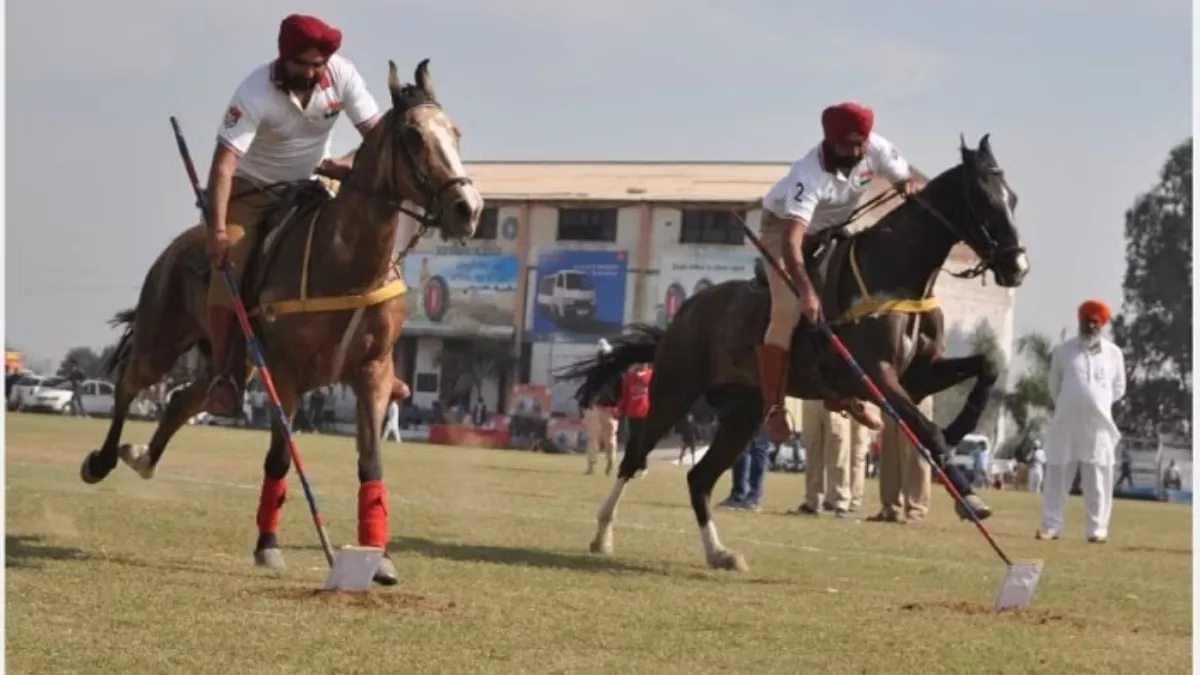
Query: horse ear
[[394, 85], [962, 141], [423, 79], [985, 147]]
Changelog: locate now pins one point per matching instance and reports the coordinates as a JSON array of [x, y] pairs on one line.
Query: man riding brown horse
[[276, 129], [820, 191]]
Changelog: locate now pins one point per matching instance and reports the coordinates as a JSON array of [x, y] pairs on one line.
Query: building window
[[701, 226], [587, 224], [489, 222]]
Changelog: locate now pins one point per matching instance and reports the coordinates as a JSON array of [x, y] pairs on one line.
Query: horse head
[[991, 204], [416, 150]]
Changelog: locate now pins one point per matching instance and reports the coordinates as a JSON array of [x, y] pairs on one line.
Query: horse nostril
[[462, 209]]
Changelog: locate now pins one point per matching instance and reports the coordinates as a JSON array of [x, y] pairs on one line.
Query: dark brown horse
[[335, 253], [879, 288]]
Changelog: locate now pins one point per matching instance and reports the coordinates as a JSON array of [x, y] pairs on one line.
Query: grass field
[[135, 576]]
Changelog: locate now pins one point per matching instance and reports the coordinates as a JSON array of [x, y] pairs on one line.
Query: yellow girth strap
[[305, 304], [867, 306]]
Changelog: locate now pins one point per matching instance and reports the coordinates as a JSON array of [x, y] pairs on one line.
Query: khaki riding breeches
[[248, 208], [785, 306]]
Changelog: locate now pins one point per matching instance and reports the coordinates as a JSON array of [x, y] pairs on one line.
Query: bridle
[[992, 248], [401, 153]]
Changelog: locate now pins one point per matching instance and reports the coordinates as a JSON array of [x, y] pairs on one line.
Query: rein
[[402, 153]]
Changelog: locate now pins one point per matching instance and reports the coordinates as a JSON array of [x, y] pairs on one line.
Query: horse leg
[[274, 487], [669, 402], [138, 371], [736, 427], [373, 388], [186, 403], [928, 433], [923, 380]]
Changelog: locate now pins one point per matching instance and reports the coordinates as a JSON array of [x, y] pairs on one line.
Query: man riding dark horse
[[819, 192]]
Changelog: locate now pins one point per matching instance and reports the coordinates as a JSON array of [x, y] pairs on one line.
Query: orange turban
[[839, 121], [1095, 309]]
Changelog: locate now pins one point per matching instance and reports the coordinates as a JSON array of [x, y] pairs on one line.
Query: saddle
[[298, 199], [824, 256]]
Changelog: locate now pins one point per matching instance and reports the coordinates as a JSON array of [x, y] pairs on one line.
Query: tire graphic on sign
[[674, 299], [435, 299]]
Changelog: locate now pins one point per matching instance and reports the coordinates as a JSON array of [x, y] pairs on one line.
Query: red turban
[[843, 119], [299, 32], [1095, 309]]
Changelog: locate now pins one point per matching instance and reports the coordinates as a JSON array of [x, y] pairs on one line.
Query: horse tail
[[120, 356], [639, 345]]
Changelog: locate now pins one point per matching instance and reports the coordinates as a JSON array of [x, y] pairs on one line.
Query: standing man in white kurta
[[1087, 375]]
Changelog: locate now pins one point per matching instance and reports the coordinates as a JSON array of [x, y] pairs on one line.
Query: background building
[[568, 252]]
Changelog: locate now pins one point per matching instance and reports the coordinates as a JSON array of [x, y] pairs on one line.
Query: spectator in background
[[391, 422], [983, 466], [76, 377], [479, 413], [687, 437], [635, 401], [827, 443], [1087, 376], [750, 475], [1037, 467], [904, 476], [1172, 477], [860, 447], [1126, 469], [601, 418]]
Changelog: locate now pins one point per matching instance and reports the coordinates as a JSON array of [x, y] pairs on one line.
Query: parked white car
[[96, 396], [24, 391]]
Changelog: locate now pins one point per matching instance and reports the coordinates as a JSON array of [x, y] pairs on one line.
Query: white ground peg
[[353, 568], [1019, 583]]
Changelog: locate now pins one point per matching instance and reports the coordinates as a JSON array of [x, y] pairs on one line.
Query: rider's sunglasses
[[301, 63]]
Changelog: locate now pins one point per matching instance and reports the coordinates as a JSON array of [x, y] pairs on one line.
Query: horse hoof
[[92, 470], [728, 560], [271, 558], [600, 547], [385, 574], [138, 459]]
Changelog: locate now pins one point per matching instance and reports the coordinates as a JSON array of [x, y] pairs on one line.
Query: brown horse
[[879, 288], [326, 302]]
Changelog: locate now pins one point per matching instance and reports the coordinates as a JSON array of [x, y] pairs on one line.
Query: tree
[[1154, 327], [85, 358], [1029, 403], [466, 365]]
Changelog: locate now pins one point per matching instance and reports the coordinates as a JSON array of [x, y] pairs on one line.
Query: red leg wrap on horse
[[274, 492], [372, 514]]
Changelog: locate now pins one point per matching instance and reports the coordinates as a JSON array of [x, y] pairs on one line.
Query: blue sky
[[1083, 100]]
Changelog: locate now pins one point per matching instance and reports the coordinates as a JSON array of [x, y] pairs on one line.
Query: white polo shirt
[[824, 199], [275, 137]]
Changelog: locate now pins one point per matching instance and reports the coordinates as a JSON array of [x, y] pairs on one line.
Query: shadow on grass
[[520, 556], [27, 551]]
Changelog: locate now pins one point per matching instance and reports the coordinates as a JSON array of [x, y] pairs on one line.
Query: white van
[[567, 293]]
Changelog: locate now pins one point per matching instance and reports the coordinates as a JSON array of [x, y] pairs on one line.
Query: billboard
[[579, 295], [682, 276], [462, 293]]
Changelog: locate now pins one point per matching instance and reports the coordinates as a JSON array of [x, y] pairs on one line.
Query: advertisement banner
[[682, 276], [579, 295], [461, 294], [529, 400]]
